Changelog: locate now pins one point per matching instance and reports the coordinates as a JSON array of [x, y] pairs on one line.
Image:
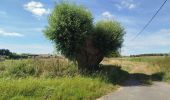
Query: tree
[[72, 30], [114, 54], [5, 52]]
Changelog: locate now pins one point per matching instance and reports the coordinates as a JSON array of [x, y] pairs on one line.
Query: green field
[[54, 79]]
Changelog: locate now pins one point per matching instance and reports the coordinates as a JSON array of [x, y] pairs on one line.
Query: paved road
[[134, 91]]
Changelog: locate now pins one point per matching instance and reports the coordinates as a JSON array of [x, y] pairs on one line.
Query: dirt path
[[134, 91]]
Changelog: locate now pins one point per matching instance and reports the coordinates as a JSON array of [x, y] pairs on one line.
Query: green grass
[[164, 65], [58, 79], [144, 59], [76, 88], [52, 79]]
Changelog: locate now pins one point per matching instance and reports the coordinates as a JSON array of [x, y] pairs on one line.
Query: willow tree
[[75, 35]]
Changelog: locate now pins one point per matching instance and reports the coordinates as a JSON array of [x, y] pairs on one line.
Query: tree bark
[[89, 57]]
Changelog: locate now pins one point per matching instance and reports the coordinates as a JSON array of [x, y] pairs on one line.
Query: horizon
[[21, 26]]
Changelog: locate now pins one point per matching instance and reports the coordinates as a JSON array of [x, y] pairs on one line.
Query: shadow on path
[[116, 75]]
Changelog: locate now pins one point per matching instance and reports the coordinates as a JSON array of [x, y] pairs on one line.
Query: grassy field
[[58, 79], [50, 79], [147, 69], [75, 88], [160, 63]]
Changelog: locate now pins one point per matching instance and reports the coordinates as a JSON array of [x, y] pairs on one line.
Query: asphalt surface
[[133, 90]]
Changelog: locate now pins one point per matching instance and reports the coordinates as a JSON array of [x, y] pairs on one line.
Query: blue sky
[[22, 22]]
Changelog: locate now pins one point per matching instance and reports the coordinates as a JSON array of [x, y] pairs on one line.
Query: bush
[[21, 69], [114, 54]]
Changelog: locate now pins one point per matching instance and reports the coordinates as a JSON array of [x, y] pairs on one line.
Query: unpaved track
[[134, 91]]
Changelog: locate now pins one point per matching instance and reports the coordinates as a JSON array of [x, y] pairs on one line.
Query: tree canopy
[[108, 36], [77, 37], [69, 25]]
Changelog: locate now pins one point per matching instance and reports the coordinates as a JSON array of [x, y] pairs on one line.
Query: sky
[[22, 23]]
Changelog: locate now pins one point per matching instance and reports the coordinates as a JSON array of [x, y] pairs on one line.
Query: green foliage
[[108, 36], [69, 25], [37, 68], [145, 59], [5, 52], [114, 54], [76, 88], [164, 65], [20, 69]]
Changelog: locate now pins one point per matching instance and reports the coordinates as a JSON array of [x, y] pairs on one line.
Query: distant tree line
[[7, 54], [153, 54]]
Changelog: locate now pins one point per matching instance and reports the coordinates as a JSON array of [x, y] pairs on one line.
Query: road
[[133, 90]]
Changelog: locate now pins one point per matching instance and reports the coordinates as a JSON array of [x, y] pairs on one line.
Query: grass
[[145, 59], [58, 79], [164, 65], [76, 88], [52, 79], [38, 68], [162, 62]]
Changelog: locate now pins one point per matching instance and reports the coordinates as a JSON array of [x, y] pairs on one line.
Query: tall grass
[[37, 68], [164, 65], [52, 79], [76, 88]]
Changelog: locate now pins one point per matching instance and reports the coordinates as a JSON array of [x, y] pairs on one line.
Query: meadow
[[52, 79], [59, 79]]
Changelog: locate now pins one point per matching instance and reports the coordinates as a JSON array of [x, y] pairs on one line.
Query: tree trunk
[[89, 57]]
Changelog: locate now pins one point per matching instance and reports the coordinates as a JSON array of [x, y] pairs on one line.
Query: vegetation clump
[[75, 35]]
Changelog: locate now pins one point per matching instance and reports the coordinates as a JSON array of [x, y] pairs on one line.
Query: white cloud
[[11, 34], [128, 4], [29, 48], [36, 8], [107, 15], [146, 43], [125, 20]]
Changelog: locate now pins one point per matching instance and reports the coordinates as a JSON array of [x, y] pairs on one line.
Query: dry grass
[[131, 66]]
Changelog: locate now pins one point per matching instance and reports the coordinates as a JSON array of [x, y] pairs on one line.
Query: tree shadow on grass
[[115, 75]]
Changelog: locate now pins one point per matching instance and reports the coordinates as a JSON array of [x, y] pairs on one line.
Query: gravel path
[[133, 90]]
